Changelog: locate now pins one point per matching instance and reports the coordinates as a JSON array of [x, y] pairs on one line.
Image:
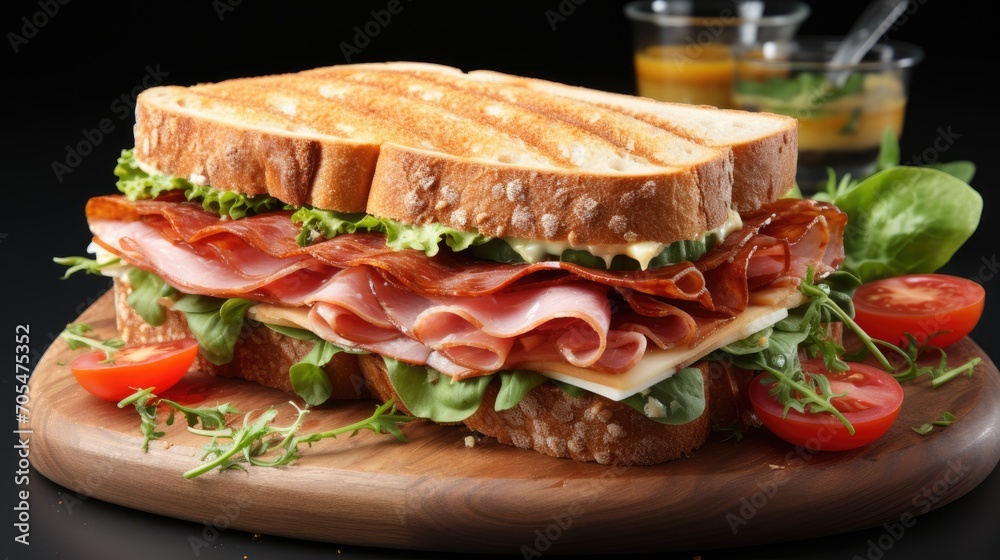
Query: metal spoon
[[869, 28]]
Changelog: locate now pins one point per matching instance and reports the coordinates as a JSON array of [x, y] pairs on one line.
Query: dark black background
[[84, 64]]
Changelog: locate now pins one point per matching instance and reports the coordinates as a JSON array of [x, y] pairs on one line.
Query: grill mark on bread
[[565, 145], [327, 137], [629, 134]]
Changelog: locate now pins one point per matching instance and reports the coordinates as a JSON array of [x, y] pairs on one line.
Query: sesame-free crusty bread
[[262, 355], [430, 144], [764, 145], [592, 427]]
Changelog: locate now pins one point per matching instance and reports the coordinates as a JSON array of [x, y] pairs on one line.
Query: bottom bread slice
[[592, 427]]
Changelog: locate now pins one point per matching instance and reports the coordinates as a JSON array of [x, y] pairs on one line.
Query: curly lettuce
[[137, 184]]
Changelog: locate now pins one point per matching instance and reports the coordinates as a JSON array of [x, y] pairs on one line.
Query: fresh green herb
[[88, 266], [429, 394], [215, 322], [678, 399], [255, 439], [308, 378], [775, 350], [514, 385], [801, 96], [904, 219], [212, 418], [148, 290], [251, 441], [136, 184], [75, 337], [947, 419], [144, 405], [910, 368]]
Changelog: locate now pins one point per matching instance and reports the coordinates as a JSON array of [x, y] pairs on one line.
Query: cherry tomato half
[[919, 304], [159, 365], [872, 404]]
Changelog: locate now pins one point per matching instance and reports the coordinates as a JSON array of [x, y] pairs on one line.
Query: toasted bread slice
[[425, 143], [764, 145]]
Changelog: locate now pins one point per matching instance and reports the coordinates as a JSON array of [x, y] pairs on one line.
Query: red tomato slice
[[159, 365], [919, 304], [871, 406]]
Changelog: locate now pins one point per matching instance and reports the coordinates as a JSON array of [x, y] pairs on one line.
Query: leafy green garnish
[[904, 219], [514, 385], [147, 414], [326, 224], [250, 442], [947, 419], [75, 336], [136, 184], [801, 96], [147, 290], [308, 378], [678, 399], [215, 322], [84, 264], [429, 394]]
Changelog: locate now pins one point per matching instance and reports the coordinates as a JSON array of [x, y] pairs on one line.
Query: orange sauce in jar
[[697, 74]]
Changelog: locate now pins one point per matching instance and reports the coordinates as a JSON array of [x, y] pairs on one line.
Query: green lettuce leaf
[[326, 224], [906, 220], [678, 399], [308, 378], [514, 385], [147, 289], [136, 184], [215, 322], [428, 394], [428, 238]]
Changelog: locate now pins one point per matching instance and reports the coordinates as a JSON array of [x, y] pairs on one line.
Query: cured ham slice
[[461, 315]]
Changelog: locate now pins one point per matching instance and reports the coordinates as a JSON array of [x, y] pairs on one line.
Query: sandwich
[[558, 268]]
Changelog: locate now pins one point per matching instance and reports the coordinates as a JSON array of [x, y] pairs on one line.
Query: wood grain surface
[[435, 493]]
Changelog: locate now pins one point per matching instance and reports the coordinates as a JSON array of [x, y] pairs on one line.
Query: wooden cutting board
[[435, 493]]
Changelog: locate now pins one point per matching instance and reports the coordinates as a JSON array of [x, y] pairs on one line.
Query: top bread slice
[[498, 154]]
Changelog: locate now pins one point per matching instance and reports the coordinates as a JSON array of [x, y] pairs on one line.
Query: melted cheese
[[766, 309], [643, 252]]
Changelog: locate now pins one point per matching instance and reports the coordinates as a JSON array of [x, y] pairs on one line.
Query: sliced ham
[[464, 316]]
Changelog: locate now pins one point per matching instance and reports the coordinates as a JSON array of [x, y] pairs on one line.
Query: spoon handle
[[867, 30]]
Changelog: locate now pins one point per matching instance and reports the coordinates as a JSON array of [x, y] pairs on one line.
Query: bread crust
[[588, 428], [764, 145], [552, 205], [262, 355], [496, 153], [251, 158]]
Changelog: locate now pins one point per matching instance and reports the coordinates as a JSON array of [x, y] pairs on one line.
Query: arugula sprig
[[255, 439], [947, 419], [75, 336], [85, 265], [147, 414], [250, 443]]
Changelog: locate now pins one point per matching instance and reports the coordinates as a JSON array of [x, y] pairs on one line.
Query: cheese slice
[[658, 364], [766, 309]]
